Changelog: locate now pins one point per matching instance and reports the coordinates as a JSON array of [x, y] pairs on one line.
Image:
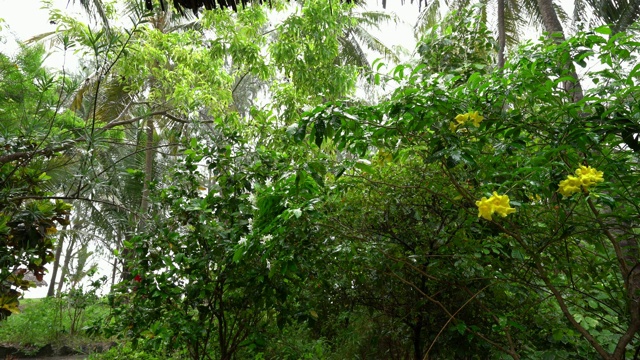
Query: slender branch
[[69, 198], [616, 247], [567, 313], [510, 352]]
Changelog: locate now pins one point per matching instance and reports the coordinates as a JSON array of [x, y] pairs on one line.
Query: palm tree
[[513, 16], [620, 14], [357, 38], [96, 9]]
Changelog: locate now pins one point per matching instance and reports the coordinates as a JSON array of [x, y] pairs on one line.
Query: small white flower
[[266, 238], [252, 199], [243, 241], [297, 212], [268, 264], [268, 183]]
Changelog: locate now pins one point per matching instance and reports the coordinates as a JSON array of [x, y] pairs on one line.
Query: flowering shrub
[[570, 261]]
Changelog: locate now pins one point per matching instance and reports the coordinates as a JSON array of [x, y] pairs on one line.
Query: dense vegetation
[[486, 207]]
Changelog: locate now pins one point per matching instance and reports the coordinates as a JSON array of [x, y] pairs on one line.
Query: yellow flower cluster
[[585, 177], [462, 119], [495, 204]]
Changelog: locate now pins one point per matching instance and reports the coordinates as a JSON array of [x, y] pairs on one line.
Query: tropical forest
[[231, 180]]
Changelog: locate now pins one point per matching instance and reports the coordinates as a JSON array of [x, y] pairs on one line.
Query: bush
[[125, 352]]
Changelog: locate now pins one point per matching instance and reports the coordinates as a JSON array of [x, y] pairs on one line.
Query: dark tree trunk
[[550, 19], [502, 41], [65, 267], [417, 339], [148, 167], [116, 259], [553, 26], [56, 261], [628, 16]]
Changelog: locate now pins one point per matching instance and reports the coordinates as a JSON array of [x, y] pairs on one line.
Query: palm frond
[[629, 15], [45, 37], [562, 15], [352, 53], [532, 11], [96, 10], [512, 21], [580, 10], [620, 14], [112, 101], [373, 43], [428, 17], [375, 18]]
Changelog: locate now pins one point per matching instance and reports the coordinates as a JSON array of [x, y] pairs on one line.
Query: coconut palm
[[512, 16], [358, 39], [620, 14]]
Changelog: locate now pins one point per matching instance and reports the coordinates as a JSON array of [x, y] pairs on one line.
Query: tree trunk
[[56, 261], [550, 19], [144, 203], [148, 167], [553, 26], [65, 267], [116, 259], [417, 339], [628, 16], [502, 41], [82, 256]]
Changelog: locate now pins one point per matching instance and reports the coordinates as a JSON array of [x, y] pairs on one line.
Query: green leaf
[[363, 165], [517, 254], [238, 254], [604, 29], [557, 334]]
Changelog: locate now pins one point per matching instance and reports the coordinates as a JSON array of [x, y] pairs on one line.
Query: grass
[[49, 321]]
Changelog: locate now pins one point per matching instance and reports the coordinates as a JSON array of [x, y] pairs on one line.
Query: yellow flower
[[495, 204], [453, 127], [462, 118], [585, 176], [589, 176], [569, 186], [474, 117], [484, 208]]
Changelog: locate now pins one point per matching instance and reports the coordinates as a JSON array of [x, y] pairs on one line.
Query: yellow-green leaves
[[9, 303], [585, 177], [495, 204]]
